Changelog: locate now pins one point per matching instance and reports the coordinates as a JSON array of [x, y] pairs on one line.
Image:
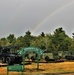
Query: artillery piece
[[9, 55]]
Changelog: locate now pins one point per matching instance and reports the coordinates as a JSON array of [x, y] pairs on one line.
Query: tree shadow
[[33, 70]]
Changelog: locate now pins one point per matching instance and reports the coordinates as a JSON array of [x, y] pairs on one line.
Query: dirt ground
[[62, 68]]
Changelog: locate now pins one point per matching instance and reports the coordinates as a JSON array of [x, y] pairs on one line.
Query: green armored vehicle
[[52, 56], [68, 55], [47, 56], [32, 55], [58, 56]]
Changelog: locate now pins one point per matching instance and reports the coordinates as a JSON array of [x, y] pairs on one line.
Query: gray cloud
[[18, 16]]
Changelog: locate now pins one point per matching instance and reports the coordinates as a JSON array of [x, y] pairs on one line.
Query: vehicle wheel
[[3, 59], [33, 58], [47, 58], [8, 60], [19, 62]]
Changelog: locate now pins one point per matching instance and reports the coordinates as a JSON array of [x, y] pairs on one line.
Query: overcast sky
[[19, 16]]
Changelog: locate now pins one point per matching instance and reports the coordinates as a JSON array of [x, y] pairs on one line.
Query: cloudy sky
[[19, 16]]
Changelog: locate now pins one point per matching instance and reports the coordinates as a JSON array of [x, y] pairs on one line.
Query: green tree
[[28, 33], [42, 34], [59, 41], [71, 47], [3, 42], [27, 39], [19, 42], [11, 39]]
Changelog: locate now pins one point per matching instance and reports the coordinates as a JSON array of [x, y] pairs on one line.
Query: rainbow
[[13, 17], [51, 15]]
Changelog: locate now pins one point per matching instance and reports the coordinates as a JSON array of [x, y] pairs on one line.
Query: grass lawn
[[62, 67]]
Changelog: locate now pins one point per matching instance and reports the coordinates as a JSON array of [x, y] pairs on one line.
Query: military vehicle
[[68, 55], [9, 55], [50, 56], [32, 55], [58, 56]]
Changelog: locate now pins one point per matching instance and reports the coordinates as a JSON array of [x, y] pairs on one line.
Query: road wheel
[[47, 58], [3, 59], [8, 60], [33, 58]]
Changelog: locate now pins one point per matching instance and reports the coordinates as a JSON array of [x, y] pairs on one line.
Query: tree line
[[59, 40]]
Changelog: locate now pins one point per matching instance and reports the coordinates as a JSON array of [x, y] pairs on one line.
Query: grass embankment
[[62, 67]]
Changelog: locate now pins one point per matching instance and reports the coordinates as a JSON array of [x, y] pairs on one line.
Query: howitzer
[[9, 55]]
